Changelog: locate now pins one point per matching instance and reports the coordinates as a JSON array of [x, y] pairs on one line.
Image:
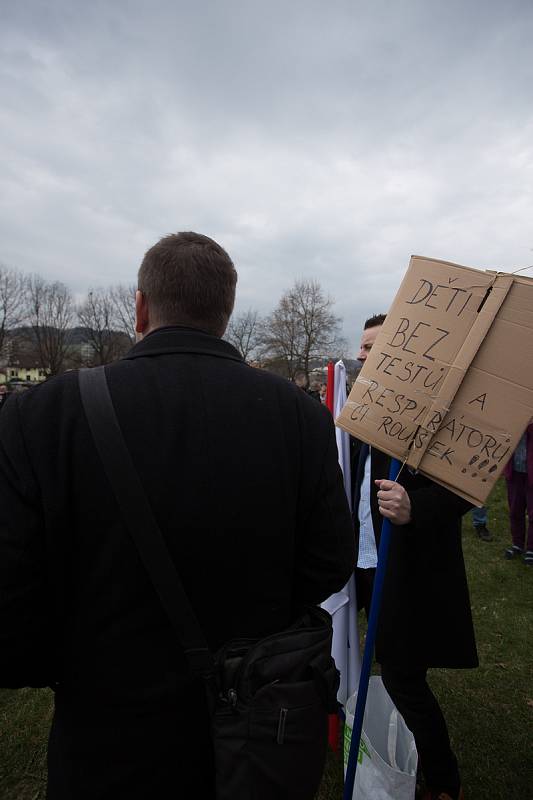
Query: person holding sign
[[425, 619]]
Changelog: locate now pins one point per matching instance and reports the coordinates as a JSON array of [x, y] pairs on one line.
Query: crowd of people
[[242, 474]]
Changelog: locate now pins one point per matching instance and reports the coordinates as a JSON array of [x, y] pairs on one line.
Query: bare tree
[[97, 316], [49, 312], [303, 327], [11, 302], [245, 332], [283, 338], [320, 326], [123, 302]]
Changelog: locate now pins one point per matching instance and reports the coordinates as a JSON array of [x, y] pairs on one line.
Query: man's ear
[[142, 317]]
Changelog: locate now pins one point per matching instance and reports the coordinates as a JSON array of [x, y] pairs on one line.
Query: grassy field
[[489, 710]]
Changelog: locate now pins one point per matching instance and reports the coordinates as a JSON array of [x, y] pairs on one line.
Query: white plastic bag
[[387, 762]]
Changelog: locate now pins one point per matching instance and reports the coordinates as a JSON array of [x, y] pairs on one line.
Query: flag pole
[[369, 647]]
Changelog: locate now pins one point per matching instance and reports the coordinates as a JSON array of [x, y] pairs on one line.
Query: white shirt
[[367, 557]]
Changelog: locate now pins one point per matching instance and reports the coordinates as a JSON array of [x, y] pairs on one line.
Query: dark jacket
[[241, 470], [425, 618]]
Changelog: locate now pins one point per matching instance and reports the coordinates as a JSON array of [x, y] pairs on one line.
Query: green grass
[[24, 721], [489, 710]]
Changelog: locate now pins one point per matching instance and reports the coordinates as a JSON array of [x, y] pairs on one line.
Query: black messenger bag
[[269, 698]]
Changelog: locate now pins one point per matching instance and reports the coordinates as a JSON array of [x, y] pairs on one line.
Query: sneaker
[[513, 551], [528, 558], [483, 533]]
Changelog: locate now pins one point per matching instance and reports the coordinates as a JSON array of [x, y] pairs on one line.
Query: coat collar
[[182, 340]]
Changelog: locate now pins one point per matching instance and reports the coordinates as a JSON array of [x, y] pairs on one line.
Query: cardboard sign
[[448, 384]]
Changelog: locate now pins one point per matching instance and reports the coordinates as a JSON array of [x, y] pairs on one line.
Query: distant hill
[[76, 336]]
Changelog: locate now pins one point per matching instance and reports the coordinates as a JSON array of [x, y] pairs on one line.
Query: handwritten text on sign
[[419, 395]]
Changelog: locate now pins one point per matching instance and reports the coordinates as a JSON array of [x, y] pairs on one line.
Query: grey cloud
[[326, 140]]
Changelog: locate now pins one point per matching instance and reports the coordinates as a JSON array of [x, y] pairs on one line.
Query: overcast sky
[[326, 140]]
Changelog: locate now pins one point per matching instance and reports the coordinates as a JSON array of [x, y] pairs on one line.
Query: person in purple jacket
[[519, 475]]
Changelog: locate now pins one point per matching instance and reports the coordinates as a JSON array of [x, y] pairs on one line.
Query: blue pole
[[369, 647]]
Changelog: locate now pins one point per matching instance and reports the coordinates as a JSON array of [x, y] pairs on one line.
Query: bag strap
[[139, 519]]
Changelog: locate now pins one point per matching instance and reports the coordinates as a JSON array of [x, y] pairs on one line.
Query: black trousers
[[418, 706], [364, 583]]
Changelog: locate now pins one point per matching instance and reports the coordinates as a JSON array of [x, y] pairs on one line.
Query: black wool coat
[[241, 471], [425, 618]]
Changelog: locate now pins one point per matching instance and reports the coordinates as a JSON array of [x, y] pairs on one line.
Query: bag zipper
[[281, 724]]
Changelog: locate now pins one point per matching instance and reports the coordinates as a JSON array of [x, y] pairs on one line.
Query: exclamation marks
[[491, 470], [470, 464], [479, 468]]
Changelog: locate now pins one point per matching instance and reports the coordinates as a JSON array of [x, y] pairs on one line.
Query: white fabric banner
[[343, 439], [343, 605]]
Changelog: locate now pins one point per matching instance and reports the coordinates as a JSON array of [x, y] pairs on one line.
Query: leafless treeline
[[301, 329], [41, 325]]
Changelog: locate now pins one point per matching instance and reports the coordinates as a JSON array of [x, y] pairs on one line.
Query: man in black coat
[[425, 619], [241, 471]]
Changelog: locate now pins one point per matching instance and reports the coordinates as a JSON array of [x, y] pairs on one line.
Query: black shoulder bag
[[269, 698]]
